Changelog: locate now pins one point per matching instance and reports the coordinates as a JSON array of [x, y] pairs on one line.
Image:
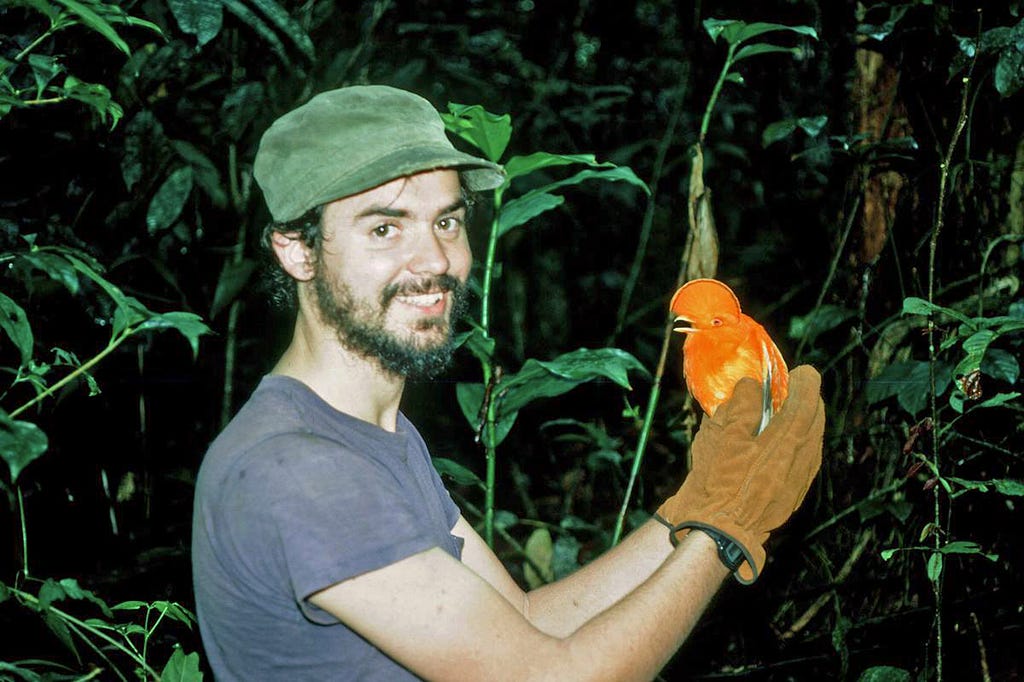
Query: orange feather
[[724, 345]]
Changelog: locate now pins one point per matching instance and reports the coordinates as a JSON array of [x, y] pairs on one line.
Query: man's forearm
[[560, 608]]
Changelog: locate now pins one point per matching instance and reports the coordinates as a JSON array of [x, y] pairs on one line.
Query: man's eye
[[449, 224], [383, 231]]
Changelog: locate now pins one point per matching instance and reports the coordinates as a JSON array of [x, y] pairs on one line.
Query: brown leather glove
[[742, 486]]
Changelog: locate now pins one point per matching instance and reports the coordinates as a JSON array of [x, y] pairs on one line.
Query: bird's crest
[[701, 300]]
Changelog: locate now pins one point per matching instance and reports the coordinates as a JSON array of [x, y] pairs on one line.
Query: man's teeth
[[423, 300]]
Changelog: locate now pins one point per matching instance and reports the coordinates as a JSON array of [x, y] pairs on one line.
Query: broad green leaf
[[540, 379], [182, 667], [59, 628], [144, 140], [748, 51], [966, 547], [233, 279], [174, 611], [94, 21], [189, 325], [200, 18], [21, 443], [913, 305], [974, 346], [518, 166], [204, 172], [823, 319], [283, 21], [998, 399], [608, 174], [56, 266], [15, 323], [735, 32], [779, 130], [525, 208], [490, 133], [461, 475], [169, 200], [240, 107], [253, 21], [1009, 72], [470, 397], [910, 382]]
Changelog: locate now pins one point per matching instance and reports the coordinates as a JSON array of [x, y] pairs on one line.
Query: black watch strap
[[729, 552]]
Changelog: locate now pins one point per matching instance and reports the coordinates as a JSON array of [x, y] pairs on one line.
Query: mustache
[[442, 283]]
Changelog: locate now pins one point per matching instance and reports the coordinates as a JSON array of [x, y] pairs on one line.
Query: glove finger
[[798, 412], [742, 413]]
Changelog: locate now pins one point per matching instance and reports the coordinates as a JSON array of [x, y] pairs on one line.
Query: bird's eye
[[716, 322]]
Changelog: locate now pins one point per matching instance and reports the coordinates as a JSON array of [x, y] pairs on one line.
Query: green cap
[[346, 141]]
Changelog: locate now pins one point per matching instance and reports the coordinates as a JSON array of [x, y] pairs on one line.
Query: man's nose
[[430, 255]]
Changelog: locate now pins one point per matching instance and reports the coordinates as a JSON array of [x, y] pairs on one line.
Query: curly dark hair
[[281, 288]]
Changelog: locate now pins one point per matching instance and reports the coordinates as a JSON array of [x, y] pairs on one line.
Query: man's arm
[[443, 621], [559, 608]]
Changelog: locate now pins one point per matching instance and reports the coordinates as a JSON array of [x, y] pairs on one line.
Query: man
[[324, 544]]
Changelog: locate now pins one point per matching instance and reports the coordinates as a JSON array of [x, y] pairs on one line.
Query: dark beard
[[361, 330]]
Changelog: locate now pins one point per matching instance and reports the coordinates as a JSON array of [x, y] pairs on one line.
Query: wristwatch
[[728, 551]]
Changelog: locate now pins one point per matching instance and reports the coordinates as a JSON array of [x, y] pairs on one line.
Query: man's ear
[[294, 256]]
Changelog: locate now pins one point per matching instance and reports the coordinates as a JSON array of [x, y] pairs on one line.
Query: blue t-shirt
[[293, 497]]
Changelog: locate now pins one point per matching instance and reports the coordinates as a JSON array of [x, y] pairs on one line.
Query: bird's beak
[[680, 324]]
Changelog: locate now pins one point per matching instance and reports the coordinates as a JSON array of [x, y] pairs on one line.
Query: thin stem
[[24, 533], [490, 376], [34, 44], [932, 358], [234, 310], [706, 121], [78, 371]]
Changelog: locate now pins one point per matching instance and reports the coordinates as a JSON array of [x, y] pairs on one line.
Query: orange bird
[[723, 345]]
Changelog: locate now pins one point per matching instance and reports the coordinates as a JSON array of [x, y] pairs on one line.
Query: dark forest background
[[867, 186]]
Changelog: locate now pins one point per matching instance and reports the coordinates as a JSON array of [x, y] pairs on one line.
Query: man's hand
[[743, 486]]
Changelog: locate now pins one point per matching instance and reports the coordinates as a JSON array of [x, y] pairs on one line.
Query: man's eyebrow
[[378, 211]]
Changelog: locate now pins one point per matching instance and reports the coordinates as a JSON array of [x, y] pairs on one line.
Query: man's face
[[392, 268]]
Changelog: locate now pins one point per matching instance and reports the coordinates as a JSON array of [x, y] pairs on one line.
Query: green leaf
[[15, 323], [200, 18], [189, 325], [56, 266], [240, 107], [525, 208], [966, 547], [477, 342], [174, 611], [94, 21], [540, 379], [461, 475], [779, 130], [934, 567], [44, 69], [1009, 72], [21, 443], [490, 133], [884, 673], [540, 550], [233, 279], [169, 200], [72, 590], [748, 51], [820, 320], [1001, 365], [204, 171], [735, 32], [518, 166], [96, 96], [259, 26], [182, 667], [910, 382], [913, 305], [283, 21], [1004, 486]]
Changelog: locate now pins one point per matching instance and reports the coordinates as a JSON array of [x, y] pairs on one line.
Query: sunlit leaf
[[934, 566], [490, 133], [97, 23], [539, 549], [523, 209], [524, 165], [72, 590]]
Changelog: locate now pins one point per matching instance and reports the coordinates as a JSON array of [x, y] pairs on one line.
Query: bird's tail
[[767, 410]]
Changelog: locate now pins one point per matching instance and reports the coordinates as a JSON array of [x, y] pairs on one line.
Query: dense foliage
[[855, 172]]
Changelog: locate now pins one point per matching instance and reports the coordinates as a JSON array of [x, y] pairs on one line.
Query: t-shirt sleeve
[[334, 514]]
